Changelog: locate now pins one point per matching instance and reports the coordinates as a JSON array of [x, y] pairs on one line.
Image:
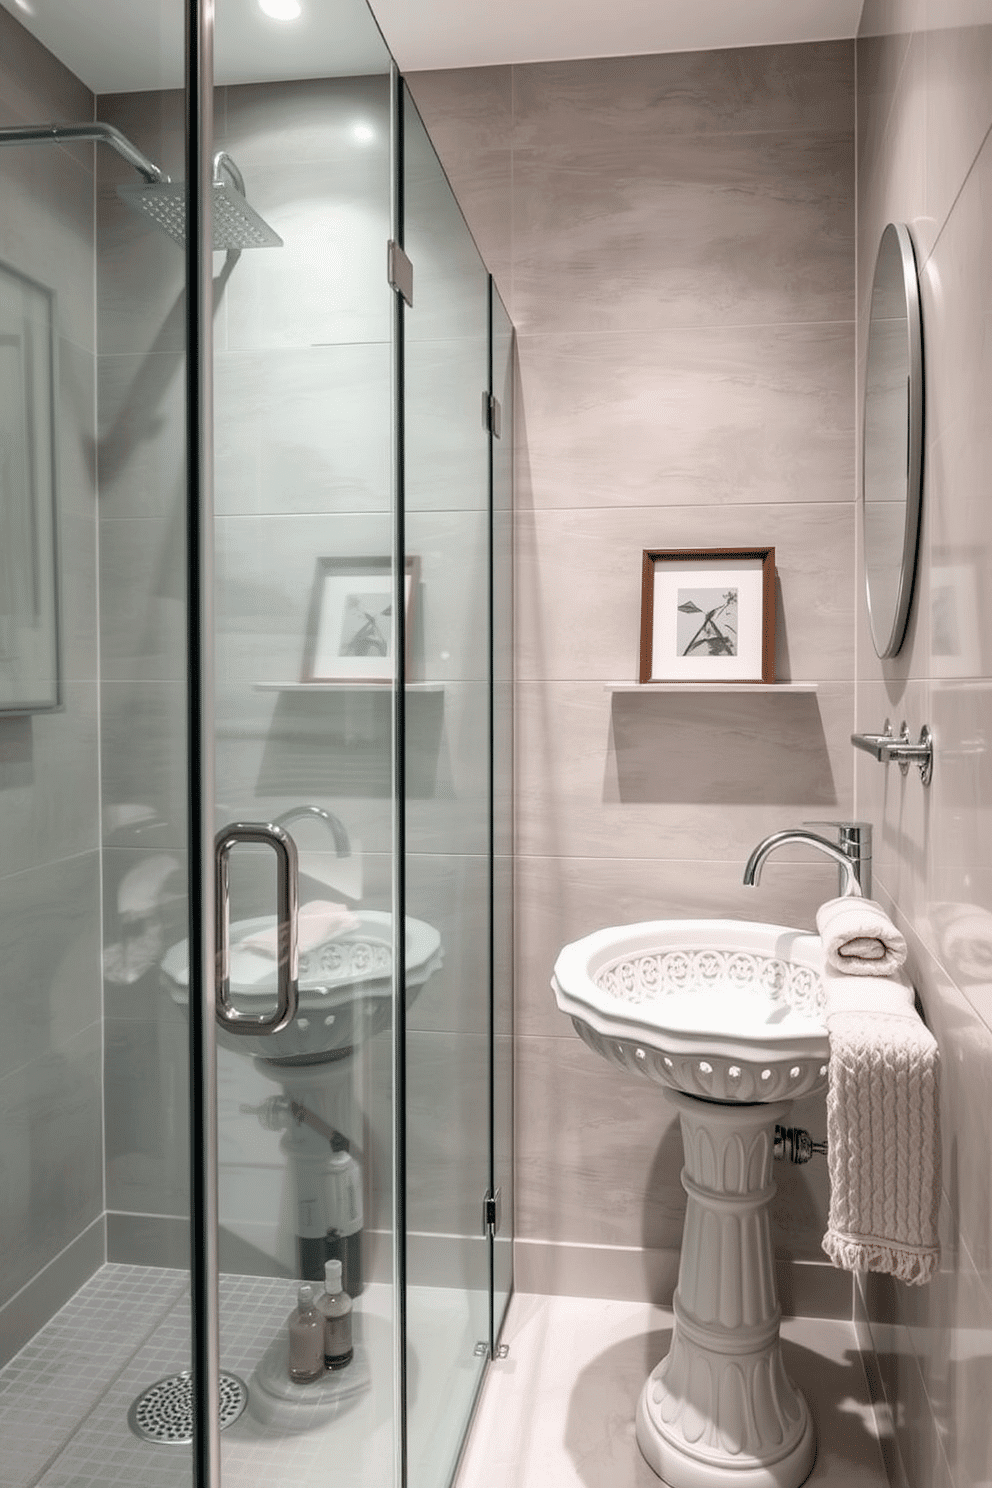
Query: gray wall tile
[[681, 243], [50, 1093], [923, 116]]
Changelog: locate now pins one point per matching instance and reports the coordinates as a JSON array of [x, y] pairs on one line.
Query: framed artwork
[[350, 632], [708, 615], [29, 638]]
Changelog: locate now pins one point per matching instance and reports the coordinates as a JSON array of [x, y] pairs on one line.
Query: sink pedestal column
[[719, 1409]]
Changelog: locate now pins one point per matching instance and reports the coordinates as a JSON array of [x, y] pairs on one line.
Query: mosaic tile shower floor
[[64, 1398]]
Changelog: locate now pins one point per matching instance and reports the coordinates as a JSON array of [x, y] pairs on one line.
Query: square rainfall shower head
[[236, 224]]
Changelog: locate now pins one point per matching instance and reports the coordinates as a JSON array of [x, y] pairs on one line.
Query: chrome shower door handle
[[287, 903]]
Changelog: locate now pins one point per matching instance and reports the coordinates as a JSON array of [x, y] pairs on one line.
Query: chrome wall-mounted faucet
[[852, 856]]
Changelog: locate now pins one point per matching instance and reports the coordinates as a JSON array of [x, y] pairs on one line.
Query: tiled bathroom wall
[[51, 1172], [925, 158], [674, 236]]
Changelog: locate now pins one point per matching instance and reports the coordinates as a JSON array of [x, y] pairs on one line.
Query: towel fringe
[[915, 1268]]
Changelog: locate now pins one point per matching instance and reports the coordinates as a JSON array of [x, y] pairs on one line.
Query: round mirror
[[892, 461]]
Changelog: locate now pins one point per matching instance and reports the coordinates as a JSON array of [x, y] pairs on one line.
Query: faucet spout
[[755, 863], [334, 824]]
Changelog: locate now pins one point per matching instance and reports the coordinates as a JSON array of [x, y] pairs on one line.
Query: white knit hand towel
[[883, 1135], [859, 938]]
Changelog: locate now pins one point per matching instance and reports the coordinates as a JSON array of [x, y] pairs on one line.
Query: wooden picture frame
[[707, 615], [349, 630]]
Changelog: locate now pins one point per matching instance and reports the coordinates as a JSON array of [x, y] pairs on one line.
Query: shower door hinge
[[491, 1214], [492, 415], [400, 272]]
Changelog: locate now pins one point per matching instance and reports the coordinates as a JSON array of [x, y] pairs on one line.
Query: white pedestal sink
[[728, 1017]]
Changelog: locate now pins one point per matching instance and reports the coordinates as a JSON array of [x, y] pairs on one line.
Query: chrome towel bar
[[899, 747]]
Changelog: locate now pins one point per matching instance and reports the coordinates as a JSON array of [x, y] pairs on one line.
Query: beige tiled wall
[[925, 158], [674, 238]]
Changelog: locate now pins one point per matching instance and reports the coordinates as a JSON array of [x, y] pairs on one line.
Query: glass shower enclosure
[[255, 753]]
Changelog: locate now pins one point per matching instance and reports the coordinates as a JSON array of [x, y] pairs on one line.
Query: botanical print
[[366, 625], [707, 622]]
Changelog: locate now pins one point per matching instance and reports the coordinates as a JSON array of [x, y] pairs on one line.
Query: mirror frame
[[888, 632]]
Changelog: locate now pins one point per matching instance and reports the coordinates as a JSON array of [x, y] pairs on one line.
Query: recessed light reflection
[[279, 10], [362, 134], [25, 5]]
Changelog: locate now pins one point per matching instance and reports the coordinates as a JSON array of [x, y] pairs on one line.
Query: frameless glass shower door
[[304, 736]]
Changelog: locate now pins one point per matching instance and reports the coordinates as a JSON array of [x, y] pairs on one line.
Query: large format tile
[[143, 596], [50, 786], [50, 952], [326, 283], [958, 109], [712, 415], [143, 762], [446, 446], [140, 453], [303, 430], [47, 231], [147, 1111], [36, 85], [578, 584], [598, 1152], [651, 776], [468, 113], [602, 113], [627, 248], [313, 121], [51, 1154], [447, 1131]]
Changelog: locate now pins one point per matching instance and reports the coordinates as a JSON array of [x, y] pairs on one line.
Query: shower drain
[[164, 1412]]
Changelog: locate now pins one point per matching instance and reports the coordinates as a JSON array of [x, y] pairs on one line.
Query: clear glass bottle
[[306, 1339], [334, 1305]]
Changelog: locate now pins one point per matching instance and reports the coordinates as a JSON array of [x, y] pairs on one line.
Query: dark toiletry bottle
[[306, 1339], [335, 1308]]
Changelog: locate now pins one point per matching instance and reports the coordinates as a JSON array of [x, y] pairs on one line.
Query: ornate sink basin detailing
[[727, 1016], [721, 1009], [345, 985]]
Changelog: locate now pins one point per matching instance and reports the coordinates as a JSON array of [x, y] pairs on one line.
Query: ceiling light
[[362, 134], [280, 10], [25, 5]]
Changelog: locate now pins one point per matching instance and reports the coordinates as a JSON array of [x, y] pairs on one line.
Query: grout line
[[98, 1399]]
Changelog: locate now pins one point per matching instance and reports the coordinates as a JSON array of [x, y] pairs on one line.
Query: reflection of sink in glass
[[728, 1017], [724, 1010], [345, 986]]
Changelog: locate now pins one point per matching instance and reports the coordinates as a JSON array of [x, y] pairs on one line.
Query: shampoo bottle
[[335, 1308], [306, 1339]]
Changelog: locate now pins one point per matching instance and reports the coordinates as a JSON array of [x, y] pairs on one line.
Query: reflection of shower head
[[236, 224]]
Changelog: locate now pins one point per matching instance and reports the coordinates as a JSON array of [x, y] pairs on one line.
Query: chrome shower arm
[[33, 134]]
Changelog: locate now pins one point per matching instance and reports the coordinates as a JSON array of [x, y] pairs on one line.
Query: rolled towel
[[883, 1134], [859, 938], [316, 922]]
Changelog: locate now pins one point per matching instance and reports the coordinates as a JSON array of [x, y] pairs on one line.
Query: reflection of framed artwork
[[955, 628], [708, 615], [29, 671], [351, 635]]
